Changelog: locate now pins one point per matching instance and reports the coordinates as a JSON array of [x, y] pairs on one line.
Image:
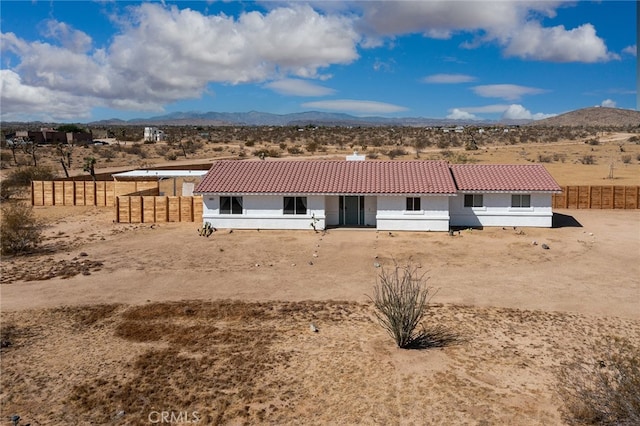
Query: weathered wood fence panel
[[150, 209], [597, 197], [87, 193]]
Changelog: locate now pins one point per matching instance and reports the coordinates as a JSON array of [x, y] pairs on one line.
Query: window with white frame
[[230, 205], [295, 205], [520, 200], [473, 200], [413, 204]]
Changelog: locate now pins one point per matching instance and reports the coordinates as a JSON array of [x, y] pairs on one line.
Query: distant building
[[153, 134], [50, 136]]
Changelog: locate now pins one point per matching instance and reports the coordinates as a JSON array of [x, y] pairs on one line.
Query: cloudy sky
[[80, 61]]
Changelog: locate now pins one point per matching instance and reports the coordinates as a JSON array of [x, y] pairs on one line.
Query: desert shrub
[[312, 147], [588, 159], [293, 150], [171, 156], [559, 157], [162, 150], [373, 155], [135, 149], [544, 158], [282, 145], [592, 142], [395, 152], [249, 143], [6, 157], [638, 157], [23, 176], [443, 143], [634, 139], [401, 300], [218, 148], [20, 232], [104, 152], [263, 153], [626, 159], [604, 390]]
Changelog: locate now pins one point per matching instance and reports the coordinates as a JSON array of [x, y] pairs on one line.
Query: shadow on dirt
[[564, 221]]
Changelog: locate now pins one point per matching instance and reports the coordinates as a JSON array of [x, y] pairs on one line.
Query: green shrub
[[20, 232]]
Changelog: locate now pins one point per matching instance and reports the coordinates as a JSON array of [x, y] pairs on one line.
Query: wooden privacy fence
[[87, 193], [597, 197], [149, 209]]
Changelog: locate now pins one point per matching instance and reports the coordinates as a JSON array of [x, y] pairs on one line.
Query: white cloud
[[514, 25], [355, 106], [69, 38], [448, 78], [296, 87], [508, 92], [557, 44], [164, 54], [518, 112], [608, 103], [458, 114], [631, 50], [24, 102]]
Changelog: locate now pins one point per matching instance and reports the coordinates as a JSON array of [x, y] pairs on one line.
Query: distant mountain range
[[594, 116], [256, 118]]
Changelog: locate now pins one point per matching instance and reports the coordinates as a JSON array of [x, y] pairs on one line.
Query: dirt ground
[[131, 324], [117, 323]]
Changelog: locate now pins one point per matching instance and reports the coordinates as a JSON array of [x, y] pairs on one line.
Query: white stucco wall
[[497, 211], [393, 216], [263, 212]]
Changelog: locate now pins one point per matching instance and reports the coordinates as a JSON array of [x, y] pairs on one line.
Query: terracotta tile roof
[[502, 177], [328, 177]]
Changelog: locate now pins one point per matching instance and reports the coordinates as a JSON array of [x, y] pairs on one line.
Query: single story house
[[386, 195]]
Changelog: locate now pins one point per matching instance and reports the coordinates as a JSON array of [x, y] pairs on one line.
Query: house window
[[413, 204], [295, 205], [473, 200], [230, 205], [520, 200]]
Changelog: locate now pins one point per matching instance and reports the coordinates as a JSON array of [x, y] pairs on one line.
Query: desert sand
[[118, 323]]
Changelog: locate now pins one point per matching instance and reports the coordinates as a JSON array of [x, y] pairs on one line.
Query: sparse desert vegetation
[[114, 323], [560, 148]]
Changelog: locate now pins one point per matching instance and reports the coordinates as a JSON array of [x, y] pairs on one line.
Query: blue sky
[[80, 61]]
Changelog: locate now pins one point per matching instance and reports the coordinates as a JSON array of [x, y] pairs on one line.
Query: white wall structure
[[264, 212], [498, 211], [393, 215], [153, 134], [385, 195]]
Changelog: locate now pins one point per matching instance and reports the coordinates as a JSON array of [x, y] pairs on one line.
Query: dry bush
[[544, 158], [626, 159], [588, 159], [294, 150], [401, 301], [396, 152], [20, 232], [604, 390]]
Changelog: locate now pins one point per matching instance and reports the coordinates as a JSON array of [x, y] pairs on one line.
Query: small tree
[[401, 301], [89, 166], [20, 232]]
